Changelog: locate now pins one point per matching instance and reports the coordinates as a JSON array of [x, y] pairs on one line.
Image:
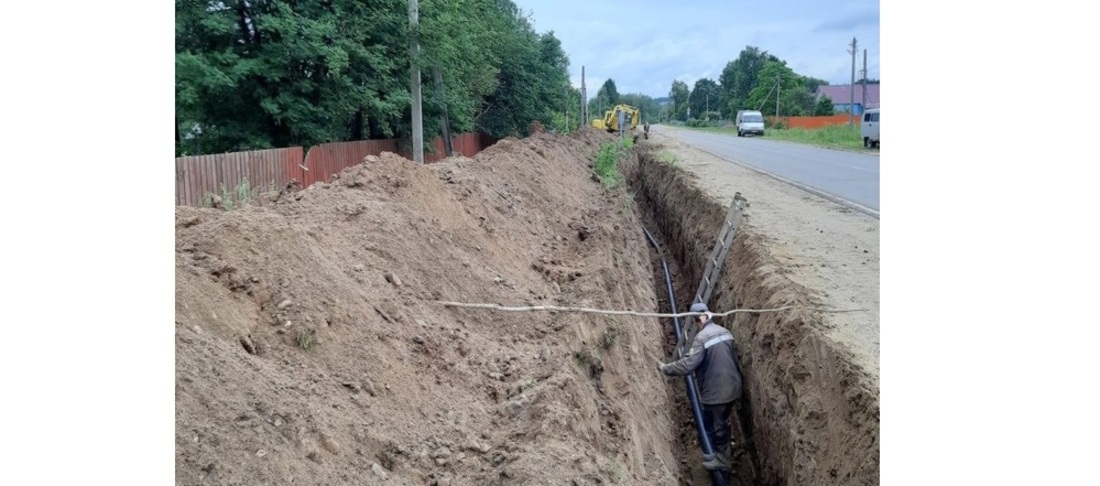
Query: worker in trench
[[712, 359]]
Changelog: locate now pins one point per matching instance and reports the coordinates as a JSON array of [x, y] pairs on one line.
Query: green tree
[[794, 99], [649, 107], [679, 94], [469, 75], [740, 77], [532, 77], [812, 83], [824, 107], [567, 119], [262, 74], [704, 97], [666, 112], [611, 91], [606, 97]]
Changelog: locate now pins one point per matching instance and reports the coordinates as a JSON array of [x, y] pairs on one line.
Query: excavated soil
[[310, 347]]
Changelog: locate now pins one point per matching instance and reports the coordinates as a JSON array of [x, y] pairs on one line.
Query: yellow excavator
[[610, 120]]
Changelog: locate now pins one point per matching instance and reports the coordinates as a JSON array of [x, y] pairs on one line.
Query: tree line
[[749, 82], [608, 96], [256, 74]]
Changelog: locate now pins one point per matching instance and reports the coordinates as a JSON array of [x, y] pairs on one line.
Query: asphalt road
[[848, 178]]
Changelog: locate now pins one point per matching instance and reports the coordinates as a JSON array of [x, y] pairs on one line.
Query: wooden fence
[[199, 175]]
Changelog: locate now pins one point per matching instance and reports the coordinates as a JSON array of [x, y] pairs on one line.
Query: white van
[[868, 128], [749, 121]]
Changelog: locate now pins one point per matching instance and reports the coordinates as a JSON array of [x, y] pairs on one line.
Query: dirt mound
[[309, 349]]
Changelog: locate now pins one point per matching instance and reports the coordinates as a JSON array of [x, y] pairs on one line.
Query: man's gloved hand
[[660, 367]]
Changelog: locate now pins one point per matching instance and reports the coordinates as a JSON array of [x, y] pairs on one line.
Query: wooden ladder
[[718, 254], [721, 248]]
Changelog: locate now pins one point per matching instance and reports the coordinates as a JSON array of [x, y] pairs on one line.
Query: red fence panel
[[292, 171], [200, 175], [439, 154], [812, 122], [461, 145], [322, 161]]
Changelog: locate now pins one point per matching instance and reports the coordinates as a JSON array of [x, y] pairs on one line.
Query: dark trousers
[[716, 421]]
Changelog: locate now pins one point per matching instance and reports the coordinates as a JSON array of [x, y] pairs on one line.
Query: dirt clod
[[379, 471], [330, 445]]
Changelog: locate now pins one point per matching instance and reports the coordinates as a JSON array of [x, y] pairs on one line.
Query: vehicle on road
[[868, 128], [750, 122]]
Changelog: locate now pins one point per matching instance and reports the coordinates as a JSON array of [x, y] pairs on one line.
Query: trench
[[687, 435], [807, 414]]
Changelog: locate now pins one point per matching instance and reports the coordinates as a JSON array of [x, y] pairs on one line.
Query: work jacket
[[712, 358]]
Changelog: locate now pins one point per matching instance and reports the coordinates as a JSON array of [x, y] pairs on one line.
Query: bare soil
[[310, 349]]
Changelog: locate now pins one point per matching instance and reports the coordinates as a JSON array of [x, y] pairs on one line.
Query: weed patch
[[306, 339], [582, 357], [607, 161], [832, 136], [609, 338], [234, 198], [667, 157]]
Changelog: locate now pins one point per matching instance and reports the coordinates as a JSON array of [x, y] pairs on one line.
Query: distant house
[[842, 97]]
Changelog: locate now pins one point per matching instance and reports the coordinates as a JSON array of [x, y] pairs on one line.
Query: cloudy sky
[[644, 44]]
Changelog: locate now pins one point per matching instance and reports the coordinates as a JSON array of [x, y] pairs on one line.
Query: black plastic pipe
[[693, 395]]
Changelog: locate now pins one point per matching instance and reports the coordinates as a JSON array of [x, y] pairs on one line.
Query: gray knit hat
[[699, 307]]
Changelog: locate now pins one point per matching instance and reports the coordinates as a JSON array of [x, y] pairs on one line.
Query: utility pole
[[777, 88], [414, 81], [584, 99], [864, 104], [852, 89]]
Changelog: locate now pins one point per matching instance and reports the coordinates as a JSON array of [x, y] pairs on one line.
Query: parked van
[[749, 121], [868, 129]]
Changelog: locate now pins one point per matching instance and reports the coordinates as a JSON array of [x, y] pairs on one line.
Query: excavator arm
[[610, 121]]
